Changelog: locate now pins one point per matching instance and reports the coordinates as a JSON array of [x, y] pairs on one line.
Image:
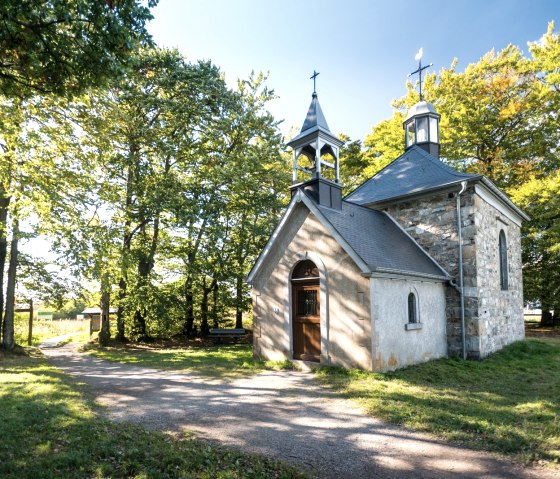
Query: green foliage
[[40, 282], [540, 198], [63, 46], [507, 403], [51, 429]]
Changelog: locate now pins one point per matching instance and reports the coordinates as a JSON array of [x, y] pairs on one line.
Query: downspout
[[461, 279]]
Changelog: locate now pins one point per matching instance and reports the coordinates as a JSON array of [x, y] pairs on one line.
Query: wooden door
[[306, 322]]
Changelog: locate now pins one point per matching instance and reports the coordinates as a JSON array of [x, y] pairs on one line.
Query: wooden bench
[[219, 334]]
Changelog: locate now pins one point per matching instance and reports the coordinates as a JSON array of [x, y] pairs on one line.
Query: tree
[[65, 46], [540, 198], [54, 47]]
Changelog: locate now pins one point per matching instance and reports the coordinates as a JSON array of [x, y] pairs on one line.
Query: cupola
[[421, 127], [320, 148]]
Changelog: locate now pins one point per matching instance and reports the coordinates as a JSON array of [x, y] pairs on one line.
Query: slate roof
[[412, 172], [379, 241], [314, 121]]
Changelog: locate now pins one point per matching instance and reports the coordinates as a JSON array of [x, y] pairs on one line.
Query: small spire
[[314, 77], [420, 69]]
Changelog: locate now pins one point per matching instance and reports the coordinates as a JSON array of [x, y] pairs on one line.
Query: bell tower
[[319, 149], [421, 125]]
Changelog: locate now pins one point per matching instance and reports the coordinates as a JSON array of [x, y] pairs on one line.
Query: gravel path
[[282, 414]]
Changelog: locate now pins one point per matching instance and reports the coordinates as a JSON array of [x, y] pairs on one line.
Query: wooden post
[[30, 333]]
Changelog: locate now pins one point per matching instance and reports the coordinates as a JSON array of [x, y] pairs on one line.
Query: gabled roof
[[413, 172], [375, 242]]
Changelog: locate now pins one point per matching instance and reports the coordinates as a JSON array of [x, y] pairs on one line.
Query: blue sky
[[362, 49]]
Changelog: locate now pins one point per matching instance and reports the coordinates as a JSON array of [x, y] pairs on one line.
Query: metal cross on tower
[[313, 77], [420, 69]]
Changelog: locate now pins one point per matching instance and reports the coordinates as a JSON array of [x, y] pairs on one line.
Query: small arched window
[[503, 261], [305, 269], [412, 313]]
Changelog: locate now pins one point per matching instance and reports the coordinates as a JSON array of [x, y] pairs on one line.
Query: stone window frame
[[503, 260], [415, 324]]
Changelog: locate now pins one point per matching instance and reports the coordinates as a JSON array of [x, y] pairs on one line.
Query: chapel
[[419, 262]]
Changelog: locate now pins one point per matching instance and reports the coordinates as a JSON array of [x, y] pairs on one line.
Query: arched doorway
[[306, 314]]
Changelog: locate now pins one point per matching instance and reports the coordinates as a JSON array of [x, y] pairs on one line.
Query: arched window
[[503, 261], [412, 313], [305, 269]]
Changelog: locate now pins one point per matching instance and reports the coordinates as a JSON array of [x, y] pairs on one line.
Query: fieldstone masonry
[[493, 318]]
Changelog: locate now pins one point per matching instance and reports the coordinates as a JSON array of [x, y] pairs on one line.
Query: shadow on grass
[[217, 361], [50, 429], [508, 403]]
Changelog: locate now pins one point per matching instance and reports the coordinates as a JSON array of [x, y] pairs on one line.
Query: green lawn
[[222, 361], [508, 403], [51, 429]]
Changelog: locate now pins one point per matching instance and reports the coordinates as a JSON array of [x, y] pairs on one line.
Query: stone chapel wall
[[500, 311], [493, 318], [432, 222]]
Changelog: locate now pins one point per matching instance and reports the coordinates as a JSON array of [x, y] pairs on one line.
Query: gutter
[[460, 287]]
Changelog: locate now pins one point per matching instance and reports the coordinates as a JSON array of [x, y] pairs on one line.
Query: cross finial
[[420, 69], [314, 77]]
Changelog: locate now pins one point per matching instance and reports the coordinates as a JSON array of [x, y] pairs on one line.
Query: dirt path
[[283, 414]]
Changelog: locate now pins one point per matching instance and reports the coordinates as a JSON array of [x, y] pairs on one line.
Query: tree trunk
[[105, 331], [145, 267], [30, 329], [8, 340], [188, 327], [215, 293], [120, 312], [546, 315], [239, 302], [204, 329], [4, 203], [125, 251]]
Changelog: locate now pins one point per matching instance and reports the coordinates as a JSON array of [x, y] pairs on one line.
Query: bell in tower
[[421, 126], [320, 149]]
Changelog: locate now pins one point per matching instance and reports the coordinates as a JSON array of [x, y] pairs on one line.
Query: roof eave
[[504, 198], [401, 274]]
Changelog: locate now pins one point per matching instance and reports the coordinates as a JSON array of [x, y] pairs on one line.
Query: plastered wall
[[393, 345], [345, 304]]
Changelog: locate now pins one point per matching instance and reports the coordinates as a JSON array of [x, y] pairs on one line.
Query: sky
[[362, 49]]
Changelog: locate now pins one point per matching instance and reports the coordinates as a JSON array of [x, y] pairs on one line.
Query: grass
[[47, 329], [216, 361], [508, 403], [51, 429]]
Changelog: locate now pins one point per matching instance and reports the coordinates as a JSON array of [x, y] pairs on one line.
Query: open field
[[51, 429], [44, 329]]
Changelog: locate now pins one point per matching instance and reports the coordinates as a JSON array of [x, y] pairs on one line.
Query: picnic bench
[[219, 334]]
